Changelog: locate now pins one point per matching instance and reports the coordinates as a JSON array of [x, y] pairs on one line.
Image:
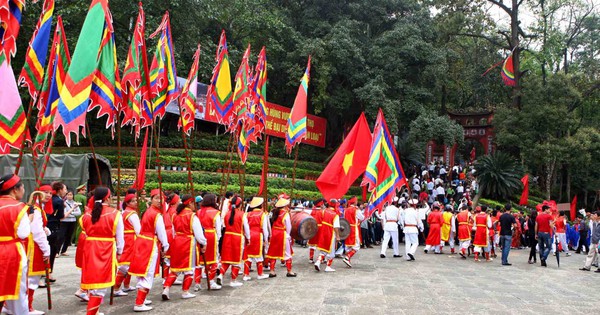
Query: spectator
[[584, 229], [68, 223], [544, 223], [532, 238], [441, 194], [443, 173], [507, 225], [430, 186], [593, 253]]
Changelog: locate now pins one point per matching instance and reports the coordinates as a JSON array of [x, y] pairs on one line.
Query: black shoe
[[411, 256], [544, 263], [291, 274], [598, 271], [425, 251], [584, 269], [397, 256], [369, 246], [382, 255], [272, 275], [507, 264]]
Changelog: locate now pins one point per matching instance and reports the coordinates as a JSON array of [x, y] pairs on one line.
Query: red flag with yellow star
[[348, 163]]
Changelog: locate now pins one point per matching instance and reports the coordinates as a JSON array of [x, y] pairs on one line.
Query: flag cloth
[[140, 178], [74, 95], [220, 93], [243, 124], [32, 75], [348, 163], [187, 101], [241, 95], [525, 194], [384, 174], [472, 154], [163, 75], [106, 86], [12, 116], [296, 124], [258, 90], [265, 169], [508, 72], [135, 76], [58, 64], [573, 208], [11, 12]]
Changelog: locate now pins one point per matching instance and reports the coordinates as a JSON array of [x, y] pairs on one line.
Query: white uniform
[[390, 228], [41, 240], [412, 225]]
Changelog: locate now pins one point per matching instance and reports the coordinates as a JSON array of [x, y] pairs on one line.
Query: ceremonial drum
[[304, 226], [344, 229]]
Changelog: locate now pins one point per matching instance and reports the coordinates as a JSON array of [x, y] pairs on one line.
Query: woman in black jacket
[[531, 235]]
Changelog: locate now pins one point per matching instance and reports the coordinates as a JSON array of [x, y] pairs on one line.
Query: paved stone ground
[[432, 284]]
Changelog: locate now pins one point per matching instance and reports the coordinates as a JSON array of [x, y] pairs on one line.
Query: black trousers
[[532, 243], [365, 236], [583, 243], [54, 242], [66, 234]]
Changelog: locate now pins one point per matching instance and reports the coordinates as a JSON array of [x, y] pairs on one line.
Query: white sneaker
[[262, 277], [235, 284], [142, 308], [178, 282], [36, 312], [247, 278], [82, 296], [6, 311], [128, 289], [197, 287], [120, 293], [147, 302], [204, 275], [165, 294], [214, 285], [318, 265], [188, 295], [220, 279], [329, 269], [240, 272]]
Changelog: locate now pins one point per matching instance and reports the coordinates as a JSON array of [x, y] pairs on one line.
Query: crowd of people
[[187, 238]]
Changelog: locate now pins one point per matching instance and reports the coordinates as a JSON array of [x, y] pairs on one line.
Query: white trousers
[[386, 239], [450, 240], [411, 242], [33, 282], [123, 269], [146, 281], [20, 306], [465, 244], [329, 255], [99, 292]]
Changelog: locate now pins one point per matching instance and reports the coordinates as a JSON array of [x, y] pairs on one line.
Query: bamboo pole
[[118, 126], [40, 178], [265, 170], [24, 135], [154, 132], [222, 190], [294, 172], [87, 128], [187, 153]]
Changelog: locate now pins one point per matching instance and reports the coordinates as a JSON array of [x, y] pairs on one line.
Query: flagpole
[[24, 136], [294, 171], [154, 132], [118, 122], [185, 147], [265, 169], [225, 163], [40, 178], [87, 128]]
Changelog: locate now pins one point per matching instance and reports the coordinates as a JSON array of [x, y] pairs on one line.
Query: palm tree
[[410, 152], [498, 175]]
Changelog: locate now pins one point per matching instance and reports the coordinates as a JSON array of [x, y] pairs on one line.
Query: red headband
[[128, 198], [283, 195], [319, 204], [352, 200], [10, 183], [188, 201], [175, 200], [155, 192], [45, 188]]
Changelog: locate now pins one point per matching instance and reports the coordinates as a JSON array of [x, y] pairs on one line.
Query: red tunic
[[464, 232], [145, 244], [256, 219], [168, 220], [326, 231], [559, 224], [435, 221], [318, 215], [37, 267], [207, 217], [350, 215], [128, 236], [481, 233], [279, 237], [183, 242], [233, 240], [13, 252], [100, 256]]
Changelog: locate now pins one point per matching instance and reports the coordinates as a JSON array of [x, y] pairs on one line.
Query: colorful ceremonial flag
[[74, 95], [265, 169], [472, 154], [241, 94], [219, 94], [32, 75], [163, 75], [135, 76], [140, 178], [12, 116], [59, 62], [188, 97], [243, 143], [106, 86], [348, 163], [573, 208], [508, 72], [384, 174], [10, 23], [525, 193], [258, 90], [296, 124]]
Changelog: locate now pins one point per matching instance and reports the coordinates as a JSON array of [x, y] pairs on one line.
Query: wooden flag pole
[[222, 190], [24, 136], [40, 178], [187, 153], [154, 132], [294, 171], [87, 128], [265, 171]]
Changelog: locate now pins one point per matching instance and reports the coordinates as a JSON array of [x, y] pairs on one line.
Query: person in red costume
[[237, 233], [258, 221], [146, 251], [464, 230], [329, 233], [560, 223], [211, 223], [132, 226], [482, 225], [280, 246], [317, 214], [354, 217], [14, 229], [172, 200], [434, 238], [103, 226], [183, 248]]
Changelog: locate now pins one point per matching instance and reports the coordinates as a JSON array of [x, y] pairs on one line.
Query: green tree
[[498, 176]]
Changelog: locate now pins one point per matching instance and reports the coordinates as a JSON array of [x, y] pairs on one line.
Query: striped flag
[[12, 116], [508, 72], [241, 93], [11, 12], [296, 124], [32, 75], [188, 97], [258, 90], [74, 95], [135, 76], [59, 62], [106, 86], [384, 175], [219, 94], [163, 75]]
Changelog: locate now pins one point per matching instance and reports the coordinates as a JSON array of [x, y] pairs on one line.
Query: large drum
[[304, 226], [344, 229]]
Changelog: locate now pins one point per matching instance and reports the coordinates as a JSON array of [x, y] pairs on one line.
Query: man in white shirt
[[440, 193], [430, 187], [390, 228], [423, 210], [412, 225], [416, 185]]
